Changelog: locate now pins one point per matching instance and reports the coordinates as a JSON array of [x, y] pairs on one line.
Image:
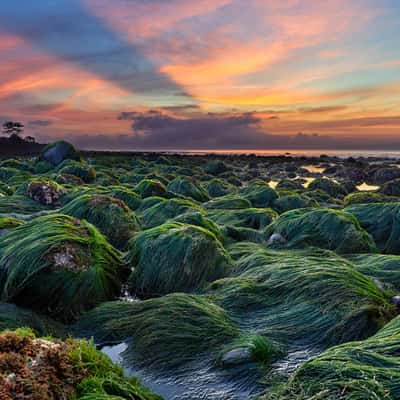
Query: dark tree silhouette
[[30, 139], [13, 128]]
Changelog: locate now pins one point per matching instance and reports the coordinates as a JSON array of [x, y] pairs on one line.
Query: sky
[[203, 74]]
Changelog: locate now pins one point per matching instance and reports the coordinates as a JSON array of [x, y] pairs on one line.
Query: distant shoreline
[[10, 149]]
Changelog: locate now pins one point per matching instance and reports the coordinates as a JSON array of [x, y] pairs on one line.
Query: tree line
[[14, 130]]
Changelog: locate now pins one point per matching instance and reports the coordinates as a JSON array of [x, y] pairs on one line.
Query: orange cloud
[[47, 78]]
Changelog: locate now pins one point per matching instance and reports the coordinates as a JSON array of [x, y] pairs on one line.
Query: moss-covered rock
[[229, 202], [391, 188], [325, 228], [79, 169], [167, 209], [254, 218], [329, 186], [110, 215], [149, 188], [129, 197], [175, 257], [167, 332], [384, 269], [367, 370], [292, 201], [367, 197], [218, 187], [77, 191], [290, 184], [188, 188], [382, 221], [215, 167], [149, 202], [323, 198], [58, 265], [259, 195], [384, 174], [68, 179], [241, 234], [301, 299], [199, 219]]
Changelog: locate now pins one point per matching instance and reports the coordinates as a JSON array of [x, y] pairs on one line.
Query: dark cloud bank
[[157, 130]]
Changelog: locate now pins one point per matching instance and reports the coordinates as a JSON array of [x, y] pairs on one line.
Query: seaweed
[[110, 215], [254, 218], [259, 194], [329, 186], [78, 169], [382, 222], [325, 228], [167, 332], [367, 197], [175, 257], [188, 188], [292, 201], [229, 202], [218, 187], [301, 298], [148, 187], [164, 210], [58, 265], [363, 370]]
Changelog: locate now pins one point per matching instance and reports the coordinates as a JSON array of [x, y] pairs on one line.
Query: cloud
[[157, 130], [40, 123], [68, 32]]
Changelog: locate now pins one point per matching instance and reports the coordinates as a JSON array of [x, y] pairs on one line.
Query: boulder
[[57, 152]]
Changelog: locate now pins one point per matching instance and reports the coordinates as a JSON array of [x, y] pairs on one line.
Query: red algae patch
[[36, 369]]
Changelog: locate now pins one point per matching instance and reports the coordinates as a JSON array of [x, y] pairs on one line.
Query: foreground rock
[[45, 369], [58, 265]]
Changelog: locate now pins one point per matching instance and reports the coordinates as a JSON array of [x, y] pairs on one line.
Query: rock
[[57, 152], [383, 175], [391, 188], [355, 175], [4, 231], [241, 355], [396, 300], [45, 192], [276, 238], [215, 168]]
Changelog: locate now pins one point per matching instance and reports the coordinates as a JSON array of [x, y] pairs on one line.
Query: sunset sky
[[203, 74]]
